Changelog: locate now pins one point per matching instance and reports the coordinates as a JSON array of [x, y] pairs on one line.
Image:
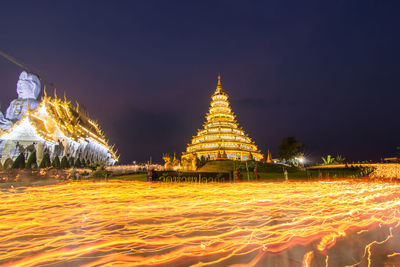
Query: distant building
[[221, 137], [393, 159]]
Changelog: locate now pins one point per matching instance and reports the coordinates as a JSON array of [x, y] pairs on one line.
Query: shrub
[[78, 163], [94, 166], [56, 162], [101, 172], [45, 162], [8, 164], [31, 163], [202, 161], [71, 162], [64, 163], [19, 162]]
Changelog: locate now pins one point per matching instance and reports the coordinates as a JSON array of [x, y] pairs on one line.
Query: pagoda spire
[[269, 157], [219, 85]]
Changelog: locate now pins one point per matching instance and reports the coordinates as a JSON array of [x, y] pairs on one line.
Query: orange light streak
[[307, 258], [239, 224]]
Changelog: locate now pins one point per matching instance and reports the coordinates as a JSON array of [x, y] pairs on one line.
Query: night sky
[[326, 72]]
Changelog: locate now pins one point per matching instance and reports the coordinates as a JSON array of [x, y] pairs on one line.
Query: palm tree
[[340, 159], [328, 160]]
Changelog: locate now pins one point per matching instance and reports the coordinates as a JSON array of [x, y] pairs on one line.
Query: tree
[[31, 163], [56, 162], [289, 148], [340, 159], [197, 162], [45, 162], [203, 161], [328, 160], [251, 157], [64, 163], [19, 162]]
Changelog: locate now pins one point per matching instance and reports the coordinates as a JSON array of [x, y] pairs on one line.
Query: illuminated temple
[[52, 126], [222, 137]]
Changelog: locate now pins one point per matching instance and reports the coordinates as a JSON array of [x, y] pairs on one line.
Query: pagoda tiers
[[59, 129], [221, 137]]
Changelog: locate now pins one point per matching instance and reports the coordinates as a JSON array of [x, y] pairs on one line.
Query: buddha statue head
[[28, 86]]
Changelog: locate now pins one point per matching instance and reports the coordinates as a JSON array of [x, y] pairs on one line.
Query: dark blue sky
[[326, 72]]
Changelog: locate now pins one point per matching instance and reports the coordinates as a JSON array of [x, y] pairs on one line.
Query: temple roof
[[55, 118]]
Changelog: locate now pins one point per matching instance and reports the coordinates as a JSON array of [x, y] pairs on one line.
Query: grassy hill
[[265, 170], [218, 166]]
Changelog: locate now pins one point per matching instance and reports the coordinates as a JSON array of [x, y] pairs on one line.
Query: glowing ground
[[267, 224]]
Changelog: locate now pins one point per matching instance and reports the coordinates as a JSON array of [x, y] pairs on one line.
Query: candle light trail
[[331, 223]]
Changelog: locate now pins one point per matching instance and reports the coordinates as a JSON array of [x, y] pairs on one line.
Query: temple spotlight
[[222, 137]]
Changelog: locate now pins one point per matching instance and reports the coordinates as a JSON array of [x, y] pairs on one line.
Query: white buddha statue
[[2, 119], [28, 90], [4, 123]]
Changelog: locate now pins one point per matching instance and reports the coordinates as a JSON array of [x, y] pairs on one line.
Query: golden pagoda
[[222, 137]]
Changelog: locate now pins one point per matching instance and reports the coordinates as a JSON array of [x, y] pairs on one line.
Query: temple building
[[52, 126], [221, 137]]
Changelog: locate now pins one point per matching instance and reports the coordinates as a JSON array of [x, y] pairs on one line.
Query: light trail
[[333, 223]]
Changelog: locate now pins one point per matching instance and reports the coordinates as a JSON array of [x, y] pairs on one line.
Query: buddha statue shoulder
[[2, 120], [4, 123], [28, 90]]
